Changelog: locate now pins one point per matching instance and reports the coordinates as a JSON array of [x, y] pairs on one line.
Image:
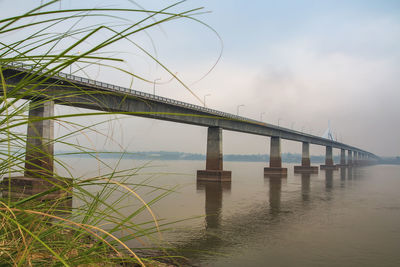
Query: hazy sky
[[300, 62]]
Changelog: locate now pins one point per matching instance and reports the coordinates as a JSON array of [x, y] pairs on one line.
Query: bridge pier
[[275, 159], [355, 159], [364, 159], [329, 160], [349, 158], [39, 144], [39, 162], [214, 158], [305, 161], [342, 158]]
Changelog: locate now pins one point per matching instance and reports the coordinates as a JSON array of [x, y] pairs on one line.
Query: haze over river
[[349, 217]]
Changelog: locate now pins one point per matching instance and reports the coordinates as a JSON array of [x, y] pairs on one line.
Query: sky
[[297, 63]]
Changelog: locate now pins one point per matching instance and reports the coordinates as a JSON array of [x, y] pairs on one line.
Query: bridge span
[[71, 90]]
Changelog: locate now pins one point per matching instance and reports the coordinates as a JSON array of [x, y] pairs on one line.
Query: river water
[[349, 217]]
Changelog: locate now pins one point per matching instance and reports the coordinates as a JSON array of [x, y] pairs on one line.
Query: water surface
[[349, 217]]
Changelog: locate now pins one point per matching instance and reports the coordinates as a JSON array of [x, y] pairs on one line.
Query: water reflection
[[350, 173], [328, 180], [213, 201], [275, 188], [229, 228], [358, 173], [305, 186], [342, 177]]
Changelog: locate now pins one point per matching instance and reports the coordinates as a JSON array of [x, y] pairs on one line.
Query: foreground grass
[[45, 228]]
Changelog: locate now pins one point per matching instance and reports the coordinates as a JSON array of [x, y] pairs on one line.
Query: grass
[[43, 227]]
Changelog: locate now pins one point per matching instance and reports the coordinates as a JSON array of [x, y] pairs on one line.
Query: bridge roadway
[[71, 90]]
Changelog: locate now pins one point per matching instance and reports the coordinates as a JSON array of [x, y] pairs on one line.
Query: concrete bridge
[[71, 90]]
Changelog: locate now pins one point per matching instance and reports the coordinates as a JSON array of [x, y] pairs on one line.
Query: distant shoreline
[[174, 155], [167, 155]]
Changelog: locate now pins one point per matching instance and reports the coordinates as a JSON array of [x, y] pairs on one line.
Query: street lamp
[[261, 115], [292, 125], [154, 85], [70, 66], [237, 113], [204, 99], [279, 121]]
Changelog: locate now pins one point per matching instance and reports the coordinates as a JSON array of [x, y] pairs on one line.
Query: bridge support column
[[305, 161], [349, 158], [214, 158], [355, 158], [369, 160], [364, 159], [329, 160], [342, 158], [39, 163], [275, 159], [39, 144]]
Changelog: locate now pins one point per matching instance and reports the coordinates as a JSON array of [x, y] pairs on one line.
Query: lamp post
[[70, 66], [261, 115], [237, 110], [154, 85], [279, 121], [292, 125], [204, 99]]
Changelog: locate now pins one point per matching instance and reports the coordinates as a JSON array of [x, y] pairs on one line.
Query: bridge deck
[[66, 89]]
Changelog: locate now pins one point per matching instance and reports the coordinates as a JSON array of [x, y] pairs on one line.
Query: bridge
[[66, 89]]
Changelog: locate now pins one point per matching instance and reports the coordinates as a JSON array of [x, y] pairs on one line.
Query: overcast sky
[[302, 63]]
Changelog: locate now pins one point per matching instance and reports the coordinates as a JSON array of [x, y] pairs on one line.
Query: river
[[349, 217]]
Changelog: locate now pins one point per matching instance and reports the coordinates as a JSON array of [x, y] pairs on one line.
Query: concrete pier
[[363, 159], [39, 162], [214, 158], [342, 158], [355, 159], [305, 161], [329, 160], [275, 159], [349, 158], [39, 143]]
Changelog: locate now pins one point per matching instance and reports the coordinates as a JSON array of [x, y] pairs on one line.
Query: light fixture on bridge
[[279, 119], [70, 66], [204, 99], [154, 85], [261, 116], [237, 110]]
